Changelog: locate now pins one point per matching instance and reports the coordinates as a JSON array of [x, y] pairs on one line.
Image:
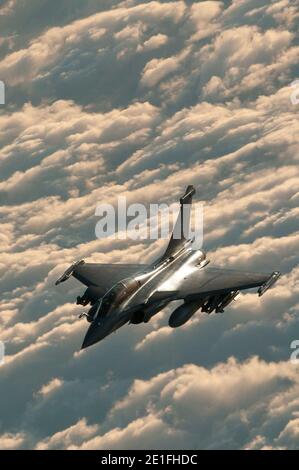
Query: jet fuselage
[[130, 300]]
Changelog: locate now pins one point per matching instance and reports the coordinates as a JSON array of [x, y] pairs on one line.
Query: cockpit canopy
[[117, 295]]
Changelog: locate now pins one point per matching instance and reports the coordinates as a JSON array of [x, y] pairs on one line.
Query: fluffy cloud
[[11, 441], [194, 404], [205, 16], [157, 69], [70, 436], [45, 50], [50, 387]]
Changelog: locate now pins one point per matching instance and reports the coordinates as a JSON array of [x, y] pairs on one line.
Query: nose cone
[[94, 334], [91, 336], [88, 340]]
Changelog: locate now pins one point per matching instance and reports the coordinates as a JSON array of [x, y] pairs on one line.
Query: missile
[[184, 312], [67, 274], [226, 301], [272, 279], [212, 303]]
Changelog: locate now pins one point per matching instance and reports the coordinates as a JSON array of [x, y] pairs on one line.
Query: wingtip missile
[[269, 283], [65, 276]]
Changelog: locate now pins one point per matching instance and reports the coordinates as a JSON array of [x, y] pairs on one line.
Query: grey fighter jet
[[133, 293]]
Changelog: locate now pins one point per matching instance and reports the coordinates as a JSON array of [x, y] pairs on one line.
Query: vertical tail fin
[[181, 229]]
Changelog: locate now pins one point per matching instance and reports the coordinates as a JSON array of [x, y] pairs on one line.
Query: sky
[[140, 99]]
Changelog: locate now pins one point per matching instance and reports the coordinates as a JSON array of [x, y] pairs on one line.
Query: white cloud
[[53, 385], [10, 441], [205, 16], [76, 433], [206, 407], [44, 51], [142, 433], [157, 69], [154, 42]]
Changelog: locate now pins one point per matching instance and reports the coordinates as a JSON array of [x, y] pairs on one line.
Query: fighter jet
[[122, 294]]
